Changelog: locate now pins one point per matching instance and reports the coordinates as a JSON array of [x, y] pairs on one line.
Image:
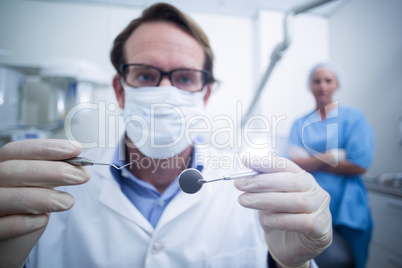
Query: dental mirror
[[191, 180]]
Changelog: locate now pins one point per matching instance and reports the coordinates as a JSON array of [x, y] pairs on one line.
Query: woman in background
[[335, 144]]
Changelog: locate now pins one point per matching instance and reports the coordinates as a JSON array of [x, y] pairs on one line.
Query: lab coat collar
[[181, 203], [112, 197]]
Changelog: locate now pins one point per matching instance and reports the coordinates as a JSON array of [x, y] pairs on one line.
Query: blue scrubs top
[[348, 129]]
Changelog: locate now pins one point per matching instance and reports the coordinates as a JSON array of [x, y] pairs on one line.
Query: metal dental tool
[[191, 180], [82, 161]]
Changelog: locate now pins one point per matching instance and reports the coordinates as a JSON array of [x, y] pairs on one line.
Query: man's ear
[[118, 90], [208, 93]]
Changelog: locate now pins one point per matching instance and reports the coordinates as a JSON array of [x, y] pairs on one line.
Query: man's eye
[[185, 80], [144, 77]]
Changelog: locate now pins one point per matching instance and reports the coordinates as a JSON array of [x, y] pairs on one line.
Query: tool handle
[[80, 161], [242, 175]]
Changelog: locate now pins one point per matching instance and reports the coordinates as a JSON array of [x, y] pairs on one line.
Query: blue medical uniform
[[344, 128]]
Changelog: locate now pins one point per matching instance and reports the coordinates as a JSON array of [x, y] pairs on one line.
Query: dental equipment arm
[[279, 50]]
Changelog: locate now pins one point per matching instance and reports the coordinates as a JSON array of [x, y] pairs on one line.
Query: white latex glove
[[293, 208], [28, 174]]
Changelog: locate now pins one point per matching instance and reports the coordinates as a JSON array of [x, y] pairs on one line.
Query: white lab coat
[[104, 229]]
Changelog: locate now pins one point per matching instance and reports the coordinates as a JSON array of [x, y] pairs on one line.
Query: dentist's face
[[163, 45], [323, 86]]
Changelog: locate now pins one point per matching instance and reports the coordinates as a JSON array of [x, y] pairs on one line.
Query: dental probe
[[191, 180], [82, 161]]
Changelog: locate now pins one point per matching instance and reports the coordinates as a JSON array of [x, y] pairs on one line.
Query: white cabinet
[[386, 242]]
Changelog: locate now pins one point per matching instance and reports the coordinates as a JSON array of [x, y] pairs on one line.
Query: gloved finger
[[279, 202], [276, 182], [41, 173], [293, 235], [314, 225], [17, 225], [276, 164], [40, 150], [32, 200], [14, 251]]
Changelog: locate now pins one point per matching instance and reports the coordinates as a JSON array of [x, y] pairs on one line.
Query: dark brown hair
[[169, 13]]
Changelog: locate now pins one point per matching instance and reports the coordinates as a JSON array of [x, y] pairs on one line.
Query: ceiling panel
[[247, 8]]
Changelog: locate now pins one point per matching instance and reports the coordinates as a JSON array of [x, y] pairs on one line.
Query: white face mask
[[158, 119]]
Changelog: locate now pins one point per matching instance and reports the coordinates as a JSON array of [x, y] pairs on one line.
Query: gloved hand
[[28, 174], [338, 154], [332, 157], [293, 210], [297, 152]]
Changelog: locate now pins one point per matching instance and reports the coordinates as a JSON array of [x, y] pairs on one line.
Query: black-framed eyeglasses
[[141, 75]]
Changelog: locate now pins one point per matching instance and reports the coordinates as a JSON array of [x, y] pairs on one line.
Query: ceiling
[[245, 8]]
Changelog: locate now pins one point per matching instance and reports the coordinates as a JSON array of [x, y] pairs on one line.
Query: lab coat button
[[156, 248]]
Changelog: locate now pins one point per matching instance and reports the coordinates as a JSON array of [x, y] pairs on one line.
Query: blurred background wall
[[361, 36]]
